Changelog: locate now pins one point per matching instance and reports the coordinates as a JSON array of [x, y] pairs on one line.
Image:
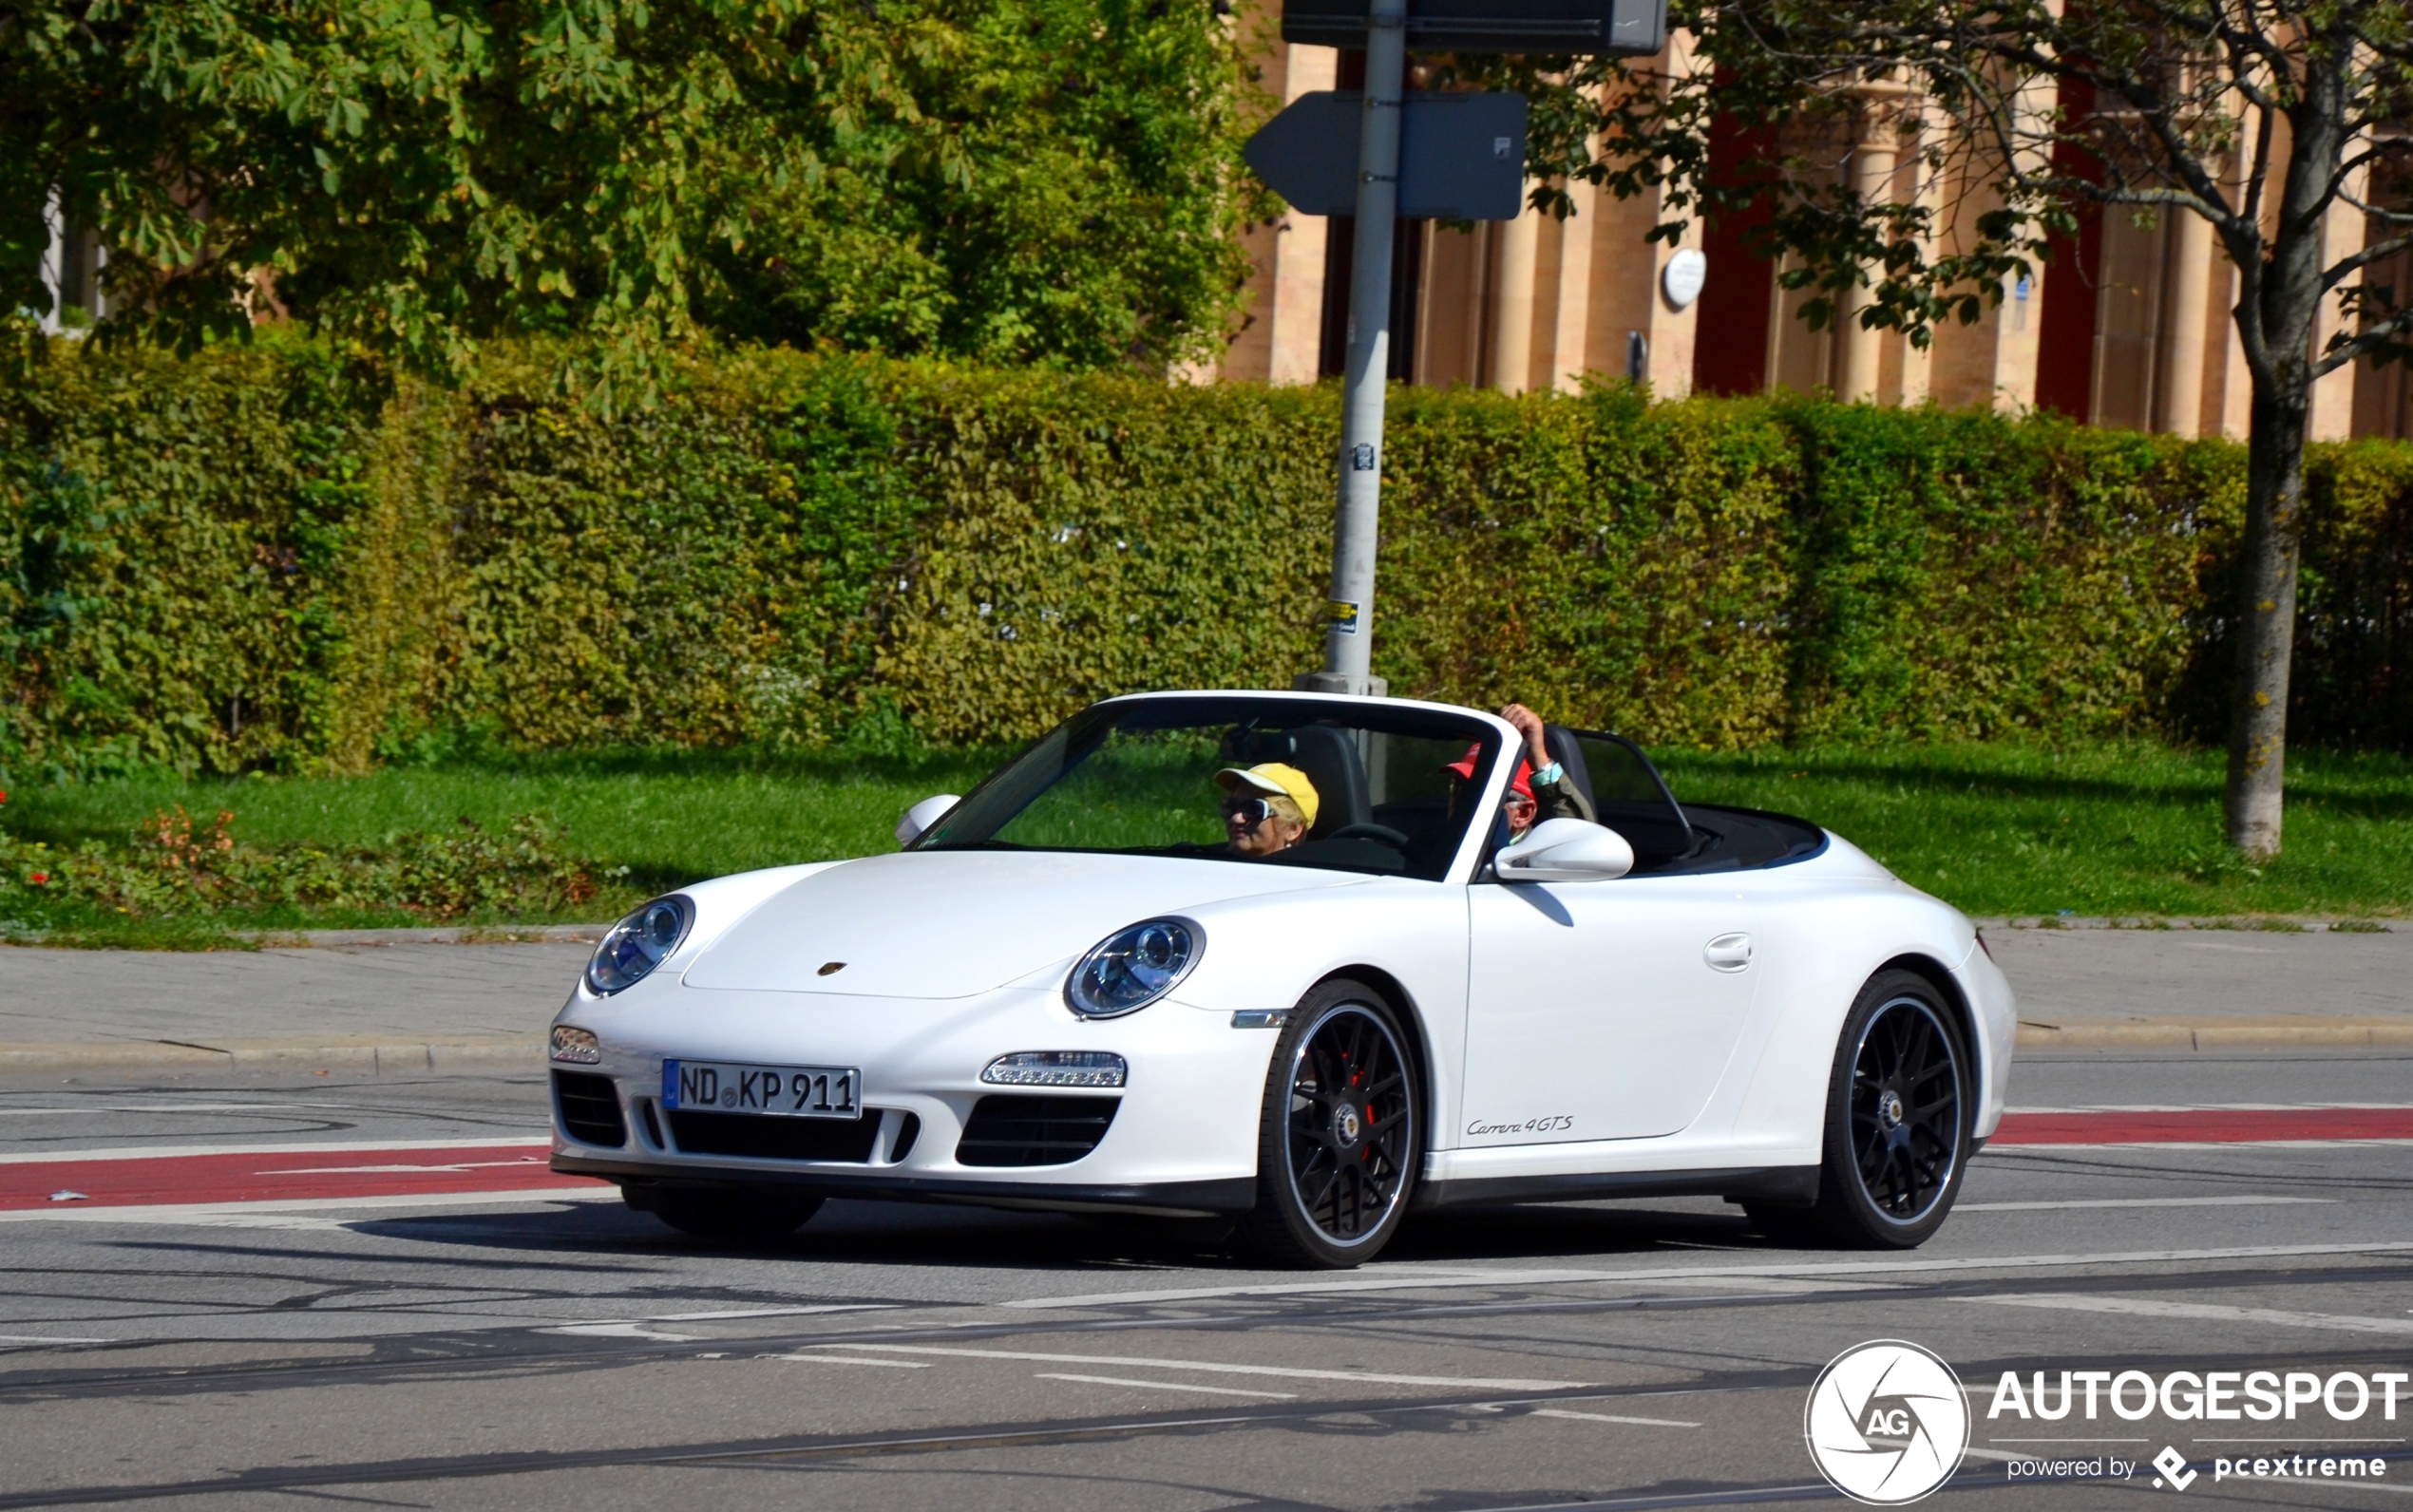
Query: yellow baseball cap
[[1275, 780]]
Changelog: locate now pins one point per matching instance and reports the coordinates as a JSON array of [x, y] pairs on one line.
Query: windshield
[[1285, 782]]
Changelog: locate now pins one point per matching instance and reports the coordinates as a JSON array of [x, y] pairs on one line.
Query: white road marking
[[2203, 1312], [1602, 1417], [848, 1359], [1896, 1269], [622, 1331], [1368, 1378], [173, 1108], [300, 1212], [2142, 1201], [769, 1311], [1164, 1386], [521, 1163], [141, 1152], [42, 1338]]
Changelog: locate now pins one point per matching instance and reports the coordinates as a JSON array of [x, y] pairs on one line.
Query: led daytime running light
[[577, 1046]]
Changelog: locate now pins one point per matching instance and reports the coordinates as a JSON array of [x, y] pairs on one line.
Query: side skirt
[[1775, 1184]]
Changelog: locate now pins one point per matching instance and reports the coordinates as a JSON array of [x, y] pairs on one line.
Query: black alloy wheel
[[1342, 1133], [1900, 1106]]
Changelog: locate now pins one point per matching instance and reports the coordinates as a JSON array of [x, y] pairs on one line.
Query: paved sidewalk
[[420, 1007], [2209, 988], [392, 1007]]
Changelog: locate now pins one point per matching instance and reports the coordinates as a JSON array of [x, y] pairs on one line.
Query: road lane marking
[[1602, 1417], [2204, 1312], [1367, 1377], [297, 1212], [152, 1152], [44, 1338], [2142, 1201], [769, 1311], [848, 1359], [1163, 1385], [1891, 1268], [621, 1331]]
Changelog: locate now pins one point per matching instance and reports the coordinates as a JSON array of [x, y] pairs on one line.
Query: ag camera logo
[[1887, 1423]]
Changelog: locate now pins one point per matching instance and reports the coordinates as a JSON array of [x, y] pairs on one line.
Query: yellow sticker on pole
[[1341, 615]]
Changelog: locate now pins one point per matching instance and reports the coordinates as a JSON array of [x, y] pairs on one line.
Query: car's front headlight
[[1133, 966], [638, 943]]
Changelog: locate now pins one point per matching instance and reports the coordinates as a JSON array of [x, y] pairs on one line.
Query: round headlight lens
[[637, 944], [1132, 967]]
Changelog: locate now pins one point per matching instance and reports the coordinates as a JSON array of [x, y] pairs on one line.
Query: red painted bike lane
[[270, 1175], [2204, 1126]]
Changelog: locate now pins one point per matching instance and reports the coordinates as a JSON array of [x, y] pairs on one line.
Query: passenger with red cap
[[1540, 789]]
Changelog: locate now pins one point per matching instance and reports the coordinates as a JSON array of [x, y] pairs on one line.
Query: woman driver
[[1266, 808]]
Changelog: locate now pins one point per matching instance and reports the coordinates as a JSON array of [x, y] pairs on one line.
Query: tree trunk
[[2266, 620]]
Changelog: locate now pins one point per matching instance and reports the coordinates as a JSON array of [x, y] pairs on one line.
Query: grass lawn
[[1996, 829]]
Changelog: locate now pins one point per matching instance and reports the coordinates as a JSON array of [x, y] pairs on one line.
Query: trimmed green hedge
[[267, 557]]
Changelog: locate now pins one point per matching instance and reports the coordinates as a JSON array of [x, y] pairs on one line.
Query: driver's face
[[1256, 829]]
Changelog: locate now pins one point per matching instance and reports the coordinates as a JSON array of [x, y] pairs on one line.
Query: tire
[[1334, 1176], [1901, 1100], [738, 1213]]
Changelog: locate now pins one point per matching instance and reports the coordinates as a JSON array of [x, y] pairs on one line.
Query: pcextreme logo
[[1887, 1423]]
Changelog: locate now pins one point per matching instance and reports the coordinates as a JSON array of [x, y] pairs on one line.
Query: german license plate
[[780, 1091]]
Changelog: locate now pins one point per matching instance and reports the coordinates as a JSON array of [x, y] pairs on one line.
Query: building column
[[1574, 313], [1510, 365], [1859, 352], [2342, 231], [2178, 405]]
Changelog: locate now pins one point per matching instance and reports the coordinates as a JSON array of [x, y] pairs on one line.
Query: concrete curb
[[469, 934], [2309, 1034], [372, 1054], [2266, 923]]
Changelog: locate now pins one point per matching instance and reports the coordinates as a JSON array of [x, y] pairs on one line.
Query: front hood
[[936, 924]]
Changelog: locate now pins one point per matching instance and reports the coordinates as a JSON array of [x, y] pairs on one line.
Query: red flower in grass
[[38, 877]]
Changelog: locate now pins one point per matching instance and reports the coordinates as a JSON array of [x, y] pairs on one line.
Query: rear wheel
[[1340, 1136], [1900, 1103], [725, 1213]]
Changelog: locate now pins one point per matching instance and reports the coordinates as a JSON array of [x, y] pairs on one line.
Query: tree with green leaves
[[1033, 181], [2268, 118]]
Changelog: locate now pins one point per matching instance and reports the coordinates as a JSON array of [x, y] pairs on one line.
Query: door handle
[[1728, 952]]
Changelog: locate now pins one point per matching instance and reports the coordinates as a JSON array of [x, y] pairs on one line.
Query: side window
[[1631, 798]]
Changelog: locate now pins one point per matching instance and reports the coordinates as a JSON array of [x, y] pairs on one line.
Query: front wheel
[[1340, 1134], [1900, 1104]]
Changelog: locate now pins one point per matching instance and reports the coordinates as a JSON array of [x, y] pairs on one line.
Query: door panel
[[1600, 1010]]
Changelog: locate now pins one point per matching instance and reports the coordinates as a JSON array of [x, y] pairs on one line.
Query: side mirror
[[1564, 850], [922, 815]]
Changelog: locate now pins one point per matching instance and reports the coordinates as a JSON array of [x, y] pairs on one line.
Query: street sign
[[1589, 28], [1461, 156]]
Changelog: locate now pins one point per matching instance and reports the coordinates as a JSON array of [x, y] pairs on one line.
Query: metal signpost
[[1460, 157]]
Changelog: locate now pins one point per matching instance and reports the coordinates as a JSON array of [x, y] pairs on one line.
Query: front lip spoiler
[[1159, 1199]]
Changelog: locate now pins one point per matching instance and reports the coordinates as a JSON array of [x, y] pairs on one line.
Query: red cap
[[1522, 783]]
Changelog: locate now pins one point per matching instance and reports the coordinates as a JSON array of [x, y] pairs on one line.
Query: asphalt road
[[552, 1349]]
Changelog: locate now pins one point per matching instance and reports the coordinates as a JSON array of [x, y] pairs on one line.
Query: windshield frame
[[1493, 736]]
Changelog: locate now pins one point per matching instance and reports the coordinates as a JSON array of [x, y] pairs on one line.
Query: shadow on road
[[978, 1239]]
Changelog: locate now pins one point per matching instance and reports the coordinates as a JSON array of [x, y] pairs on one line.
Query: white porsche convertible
[[1091, 985]]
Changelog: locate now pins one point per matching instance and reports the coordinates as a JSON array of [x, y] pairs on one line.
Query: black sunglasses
[[1250, 811]]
